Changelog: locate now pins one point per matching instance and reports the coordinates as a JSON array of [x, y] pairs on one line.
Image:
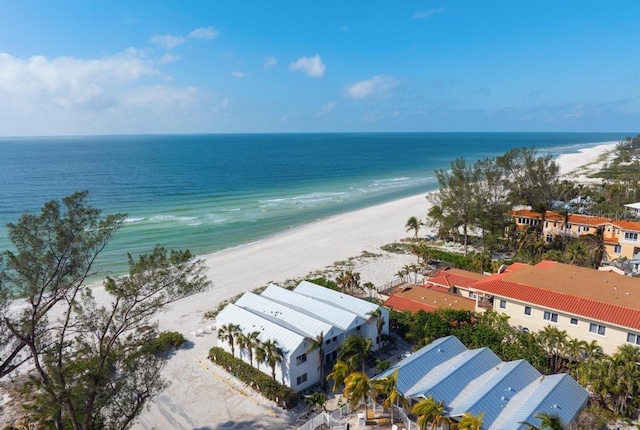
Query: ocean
[[211, 192]]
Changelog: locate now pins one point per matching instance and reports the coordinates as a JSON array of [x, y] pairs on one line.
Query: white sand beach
[[201, 396], [577, 166]]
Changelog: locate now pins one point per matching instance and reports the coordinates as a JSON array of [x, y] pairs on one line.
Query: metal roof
[[554, 394], [492, 390], [414, 367], [478, 381], [339, 317], [248, 321], [445, 381], [349, 303], [302, 323]]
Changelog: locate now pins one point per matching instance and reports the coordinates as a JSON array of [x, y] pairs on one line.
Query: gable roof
[[339, 317], [288, 340], [428, 298], [349, 303], [414, 367], [300, 322], [597, 295], [451, 277], [401, 303]]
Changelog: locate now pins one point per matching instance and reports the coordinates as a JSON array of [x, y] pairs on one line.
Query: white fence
[[333, 419]]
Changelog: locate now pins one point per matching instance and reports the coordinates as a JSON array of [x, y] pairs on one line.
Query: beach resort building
[[634, 208], [621, 237], [295, 319], [477, 381], [588, 304]]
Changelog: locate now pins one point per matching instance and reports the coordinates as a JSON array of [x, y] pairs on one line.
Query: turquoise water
[[210, 192]]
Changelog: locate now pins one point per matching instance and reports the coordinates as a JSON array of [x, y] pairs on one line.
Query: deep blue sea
[[210, 192]]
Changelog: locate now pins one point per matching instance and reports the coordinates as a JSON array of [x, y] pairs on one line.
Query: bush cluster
[[165, 342], [272, 390]]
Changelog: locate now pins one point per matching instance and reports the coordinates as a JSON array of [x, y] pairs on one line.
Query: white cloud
[[326, 109], [312, 66], [169, 58], [427, 13], [269, 62], [375, 86], [204, 33], [167, 41], [237, 74], [159, 97]]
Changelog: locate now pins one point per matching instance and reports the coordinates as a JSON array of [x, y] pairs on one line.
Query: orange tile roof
[[451, 277], [601, 296], [588, 220], [528, 213], [404, 304], [432, 297], [627, 225]]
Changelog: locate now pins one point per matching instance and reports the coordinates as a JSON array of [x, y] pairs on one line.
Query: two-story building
[[588, 304], [295, 319], [620, 237]]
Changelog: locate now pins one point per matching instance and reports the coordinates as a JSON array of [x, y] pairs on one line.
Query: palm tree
[[470, 421], [547, 421], [273, 355], [358, 386], [316, 401], [339, 374], [354, 351], [430, 413], [554, 343], [348, 281], [229, 333], [249, 342], [414, 224], [377, 314], [318, 343], [389, 388]]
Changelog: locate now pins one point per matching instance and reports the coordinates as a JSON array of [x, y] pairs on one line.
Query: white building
[[294, 319]]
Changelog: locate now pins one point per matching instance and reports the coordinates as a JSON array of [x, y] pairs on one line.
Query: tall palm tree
[[249, 342], [547, 421], [414, 224], [354, 351], [430, 413], [389, 388], [273, 355], [339, 374], [470, 421], [358, 387], [554, 343], [229, 333], [377, 314], [318, 343]]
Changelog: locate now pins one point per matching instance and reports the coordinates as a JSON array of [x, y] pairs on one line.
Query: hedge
[[272, 390]]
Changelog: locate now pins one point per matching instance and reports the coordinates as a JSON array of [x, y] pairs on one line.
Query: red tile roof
[[429, 298], [627, 225], [455, 278], [597, 295], [589, 220]]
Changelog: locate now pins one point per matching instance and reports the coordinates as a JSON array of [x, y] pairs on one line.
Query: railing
[[408, 424], [389, 286], [333, 419]]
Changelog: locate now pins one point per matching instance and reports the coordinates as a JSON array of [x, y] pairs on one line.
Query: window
[[585, 228], [327, 342], [617, 249], [527, 310], [597, 329], [550, 316], [358, 328], [472, 295], [574, 321], [568, 227], [633, 338], [503, 304], [549, 238], [632, 237], [301, 379], [546, 224], [301, 359], [334, 339]]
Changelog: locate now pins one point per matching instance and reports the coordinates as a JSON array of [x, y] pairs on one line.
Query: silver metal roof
[[349, 303], [341, 318], [288, 340], [300, 322]]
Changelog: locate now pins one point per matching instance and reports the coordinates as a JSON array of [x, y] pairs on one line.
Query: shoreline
[[289, 254]]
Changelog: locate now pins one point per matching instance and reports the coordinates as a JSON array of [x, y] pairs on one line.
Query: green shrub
[[165, 342], [259, 381]]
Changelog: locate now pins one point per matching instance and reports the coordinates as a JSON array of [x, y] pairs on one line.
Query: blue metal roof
[[414, 367], [448, 379]]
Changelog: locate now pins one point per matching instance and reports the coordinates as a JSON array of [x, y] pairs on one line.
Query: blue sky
[[114, 67]]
